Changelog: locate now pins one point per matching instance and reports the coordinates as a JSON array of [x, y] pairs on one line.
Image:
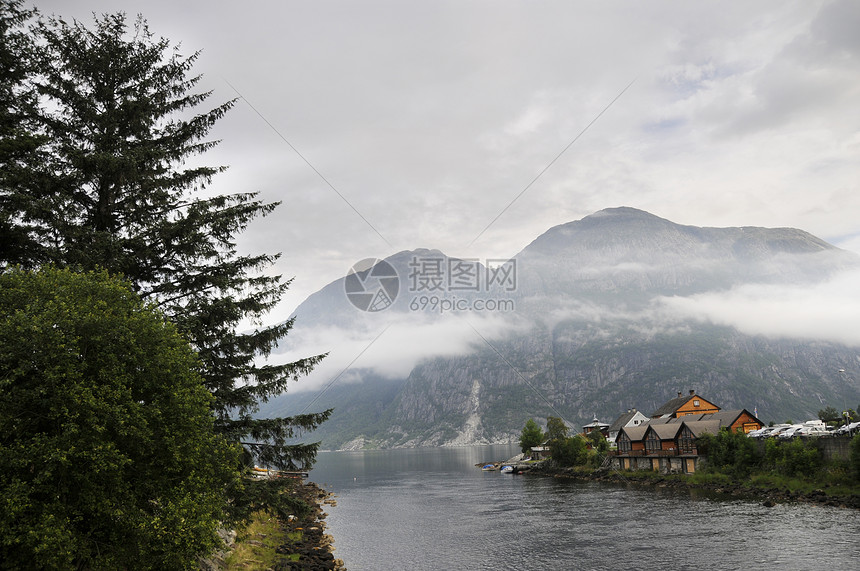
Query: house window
[[623, 443], [696, 402], [686, 443], [652, 442]]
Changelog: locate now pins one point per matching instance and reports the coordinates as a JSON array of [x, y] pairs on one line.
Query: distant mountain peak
[[590, 330], [622, 211], [406, 254]]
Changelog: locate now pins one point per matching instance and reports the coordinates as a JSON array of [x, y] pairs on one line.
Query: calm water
[[433, 509]]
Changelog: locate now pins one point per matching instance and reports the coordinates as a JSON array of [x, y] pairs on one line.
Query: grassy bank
[[256, 545], [297, 543], [833, 485]]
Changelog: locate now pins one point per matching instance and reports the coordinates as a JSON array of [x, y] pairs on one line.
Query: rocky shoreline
[[315, 549], [768, 496]]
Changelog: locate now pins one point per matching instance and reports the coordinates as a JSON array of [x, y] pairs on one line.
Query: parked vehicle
[[764, 432], [811, 431], [847, 430], [790, 432], [758, 433], [769, 431], [818, 425]]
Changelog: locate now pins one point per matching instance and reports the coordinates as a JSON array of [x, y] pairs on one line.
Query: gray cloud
[[392, 346], [829, 311], [431, 117]]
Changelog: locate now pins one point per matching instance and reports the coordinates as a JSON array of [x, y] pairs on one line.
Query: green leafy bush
[[797, 457], [108, 453], [569, 451], [730, 452]]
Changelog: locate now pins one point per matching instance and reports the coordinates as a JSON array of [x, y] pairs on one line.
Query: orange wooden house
[[684, 405]]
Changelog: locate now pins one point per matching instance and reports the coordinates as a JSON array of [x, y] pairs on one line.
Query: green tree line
[[113, 244], [565, 450], [735, 454]]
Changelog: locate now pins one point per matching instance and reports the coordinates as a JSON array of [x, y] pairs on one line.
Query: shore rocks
[[315, 550]]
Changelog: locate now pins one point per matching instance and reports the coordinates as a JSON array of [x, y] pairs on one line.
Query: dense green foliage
[[735, 455], [532, 435], [556, 429], [599, 445], [110, 128], [18, 137], [829, 414], [565, 450], [797, 457], [568, 451], [730, 452], [108, 453], [100, 136]]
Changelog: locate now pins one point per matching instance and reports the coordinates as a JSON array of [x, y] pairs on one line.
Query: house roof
[[729, 417], [672, 405], [666, 431], [634, 433], [622, 420], [700, 427], [596, 424], [725, 417]]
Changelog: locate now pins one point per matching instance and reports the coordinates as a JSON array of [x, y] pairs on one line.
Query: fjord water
[[431, 508]]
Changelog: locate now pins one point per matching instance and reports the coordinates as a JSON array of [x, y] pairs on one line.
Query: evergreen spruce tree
[[119, 117], [19, 142]]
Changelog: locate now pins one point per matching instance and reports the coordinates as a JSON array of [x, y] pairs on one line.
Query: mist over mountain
[[620, 309]]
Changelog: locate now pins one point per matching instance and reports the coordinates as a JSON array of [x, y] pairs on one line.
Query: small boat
[[488, 467], [507, 469]]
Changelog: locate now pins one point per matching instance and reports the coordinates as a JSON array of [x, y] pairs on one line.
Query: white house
[[630, 418]]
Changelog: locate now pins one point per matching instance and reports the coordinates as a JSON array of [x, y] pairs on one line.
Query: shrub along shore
[[770, 490]]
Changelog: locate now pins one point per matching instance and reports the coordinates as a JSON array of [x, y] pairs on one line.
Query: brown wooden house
[[662, 439], [630, 440], [667, 441], [740, 420]]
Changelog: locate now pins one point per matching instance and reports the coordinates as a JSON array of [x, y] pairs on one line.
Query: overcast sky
[[425, 124]]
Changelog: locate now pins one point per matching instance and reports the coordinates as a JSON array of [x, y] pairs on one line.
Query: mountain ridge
[[592, 334]]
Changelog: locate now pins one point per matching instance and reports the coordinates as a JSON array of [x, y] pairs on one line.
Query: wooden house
[[740, 420], [662, 439], [665, 445], [541, 452], [684, 405], [667, 441], [630, 439]]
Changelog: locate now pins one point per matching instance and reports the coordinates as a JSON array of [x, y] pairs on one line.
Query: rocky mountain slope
[[596, 330]]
